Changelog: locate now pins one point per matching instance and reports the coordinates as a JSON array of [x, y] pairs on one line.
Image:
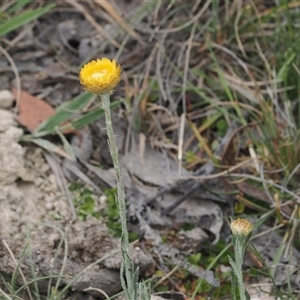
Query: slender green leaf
[[64, 113], [17, 269], [23, 18], [18, 6], [66, 144], [285, 67], [276, 259], [50, 147], [91, 116], [234, 286]]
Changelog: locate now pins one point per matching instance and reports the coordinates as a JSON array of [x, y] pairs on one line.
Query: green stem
[[239, 251], [239, 244], [127, 262], [115, 158]]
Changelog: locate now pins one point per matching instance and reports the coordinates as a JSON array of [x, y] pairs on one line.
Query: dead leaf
[[32, 110], [157, 169], [256, 193]]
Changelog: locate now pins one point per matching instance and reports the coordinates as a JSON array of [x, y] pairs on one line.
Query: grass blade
[[91, 116], [50, 147], [23, 18], [64, 112], [18, 6]]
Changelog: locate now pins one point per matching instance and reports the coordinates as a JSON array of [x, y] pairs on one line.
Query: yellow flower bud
[[100, 76], [241, 227]]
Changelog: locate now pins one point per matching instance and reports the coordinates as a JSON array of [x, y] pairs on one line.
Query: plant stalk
[[127, 269]]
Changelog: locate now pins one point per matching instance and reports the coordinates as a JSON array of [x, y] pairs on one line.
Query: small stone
[[49, 206], [52, 179], [11, 162], [50, 198], [6, 99], [14, 133], [7, 120], [44, 168], [48, 188], [38, 181]]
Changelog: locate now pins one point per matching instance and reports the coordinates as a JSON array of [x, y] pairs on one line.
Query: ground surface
[[37, 206]]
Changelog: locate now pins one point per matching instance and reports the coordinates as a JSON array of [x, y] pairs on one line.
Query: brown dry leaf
[[256, 193], [32, 110]]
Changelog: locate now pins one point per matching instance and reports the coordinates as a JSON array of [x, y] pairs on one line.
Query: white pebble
[[49, 206], [52, 179], [102, 199], [38, 181], [6, 99], [50, 198], [14, 133]]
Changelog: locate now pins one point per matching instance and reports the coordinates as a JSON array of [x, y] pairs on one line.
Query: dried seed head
[[241, 227]]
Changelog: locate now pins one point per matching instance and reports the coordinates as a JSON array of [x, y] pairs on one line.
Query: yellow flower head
[[100, 76], [241, 227]]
